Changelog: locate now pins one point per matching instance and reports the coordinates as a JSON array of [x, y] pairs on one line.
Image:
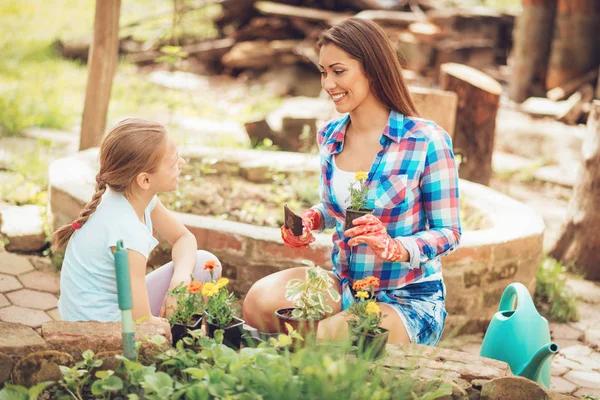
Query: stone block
[[17, 340], [76, 337], [25, 316], [564, 331], [41, 280], [54, 314], [561, 385], [24, 228], [4, 301], [33, 299], [586, 379], [513, 387], [40, 367], [14, 264]]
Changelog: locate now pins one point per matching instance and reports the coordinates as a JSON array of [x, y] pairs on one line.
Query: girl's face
[[342, 77], [164, 179]]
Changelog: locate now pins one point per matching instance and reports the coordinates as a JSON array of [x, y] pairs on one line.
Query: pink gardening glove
[[370, 230], [311, 220]]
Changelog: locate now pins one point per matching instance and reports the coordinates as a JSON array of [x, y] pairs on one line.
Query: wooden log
[[566, 89], [396, 18], [532, 38], [579, 242], [576, 105], [576, 42], [261, 54], [436, 105], [206, 51], [418, 56], [102, 65], [304, 13], [478, 102]]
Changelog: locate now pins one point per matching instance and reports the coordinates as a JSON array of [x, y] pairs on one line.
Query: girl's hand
[[311, 219], [370, 230]]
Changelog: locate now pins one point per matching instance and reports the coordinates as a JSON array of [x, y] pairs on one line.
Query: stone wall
[[476, 274]]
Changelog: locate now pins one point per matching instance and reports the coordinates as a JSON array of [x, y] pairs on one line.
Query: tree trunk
[[478, 101], [579, 242], [532, 38], [576, 43], [102, 64]]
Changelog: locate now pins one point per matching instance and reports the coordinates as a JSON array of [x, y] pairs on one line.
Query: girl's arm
[[182, 241]]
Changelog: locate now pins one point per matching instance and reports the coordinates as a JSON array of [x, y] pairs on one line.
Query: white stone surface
[[23, 226]]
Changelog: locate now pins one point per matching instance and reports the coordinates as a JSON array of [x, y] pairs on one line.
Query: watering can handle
[[519, 291]]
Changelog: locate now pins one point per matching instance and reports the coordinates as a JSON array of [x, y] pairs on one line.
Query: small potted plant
[[220, 312], [359, 204], [364, 325], [309, 299], [188, 313]]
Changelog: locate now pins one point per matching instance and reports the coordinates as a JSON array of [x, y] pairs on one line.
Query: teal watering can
[[520, 336]]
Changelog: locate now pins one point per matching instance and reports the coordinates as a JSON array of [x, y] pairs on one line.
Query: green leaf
[[35, 391], [98, 388], [13, 392], [160, 383], [196, 372], [113, 384]]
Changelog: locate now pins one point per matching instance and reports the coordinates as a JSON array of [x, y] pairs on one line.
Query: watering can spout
[[532, 369]]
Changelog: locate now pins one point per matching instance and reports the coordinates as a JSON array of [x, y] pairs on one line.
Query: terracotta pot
[[302, 326], [369, 346], [232, 334], [351, 215], [179, 331]]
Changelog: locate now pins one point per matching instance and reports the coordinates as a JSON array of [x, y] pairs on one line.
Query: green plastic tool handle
[[123, 277]]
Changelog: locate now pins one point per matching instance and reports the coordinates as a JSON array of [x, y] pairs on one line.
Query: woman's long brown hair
[[366, 42], [131, 147]]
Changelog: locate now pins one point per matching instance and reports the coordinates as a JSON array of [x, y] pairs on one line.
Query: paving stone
[[19, 340], [582, 392], [54, 314], [558, 368], [40, 280], [13, 264], [562, 361], [587, 291], [4, 301], [586, 379], [33, 299], [559, 331], [471, 348], [9, 283], [42, 263], [592, 337], [579, 350], [25, 316], [561, 385], [566, 343]]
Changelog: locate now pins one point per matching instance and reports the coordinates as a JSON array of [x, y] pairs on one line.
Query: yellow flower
[[362, 295], [222, 282], [372, 308], [210, 289], [361, 176]]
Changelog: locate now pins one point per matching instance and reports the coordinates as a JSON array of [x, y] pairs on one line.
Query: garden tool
[[125, 301]]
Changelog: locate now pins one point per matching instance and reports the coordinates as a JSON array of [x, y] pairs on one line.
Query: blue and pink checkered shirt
[[413, 188]]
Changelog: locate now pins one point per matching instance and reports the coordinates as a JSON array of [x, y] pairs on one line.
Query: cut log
[[436, 105], [206, 51], [576, 104], [478, 101], [261, 54], [579, 242], [305, 13], [426, 32], [102, 65], [566, 89], [395, 18], [576, 43], [542, 107], [532, 38], [418, 56]]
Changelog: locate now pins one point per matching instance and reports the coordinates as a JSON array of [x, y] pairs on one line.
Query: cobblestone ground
[[29, 288]]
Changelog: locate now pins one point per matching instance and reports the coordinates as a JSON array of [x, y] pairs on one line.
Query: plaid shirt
[[413, 188]]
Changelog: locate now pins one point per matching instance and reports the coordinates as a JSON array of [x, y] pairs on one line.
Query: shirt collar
[[394, 131]]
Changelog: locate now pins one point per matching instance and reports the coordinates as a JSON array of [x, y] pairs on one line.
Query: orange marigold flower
[[360, 284], [372, 281], [194, 287], [210, 265]]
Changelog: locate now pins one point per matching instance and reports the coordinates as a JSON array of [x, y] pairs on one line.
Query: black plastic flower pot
[[232, 334], [351, 215], [369, 346], [179, 331]]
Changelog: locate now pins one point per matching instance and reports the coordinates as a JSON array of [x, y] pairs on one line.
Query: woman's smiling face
[[342, 77]]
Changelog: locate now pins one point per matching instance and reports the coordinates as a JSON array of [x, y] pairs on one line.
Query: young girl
[[413, 183], [137, 160]]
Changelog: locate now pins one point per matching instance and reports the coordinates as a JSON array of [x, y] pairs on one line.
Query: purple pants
[[158, 281]]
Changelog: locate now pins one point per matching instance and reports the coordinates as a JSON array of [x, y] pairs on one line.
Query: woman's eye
[[338, 71], [323, 73]]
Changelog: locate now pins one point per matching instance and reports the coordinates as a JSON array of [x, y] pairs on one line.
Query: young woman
[[413, 183], [137, 160]]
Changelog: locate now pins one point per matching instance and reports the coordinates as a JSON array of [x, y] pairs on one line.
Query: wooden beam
[[305, 13], [566, 89], [102, 65]]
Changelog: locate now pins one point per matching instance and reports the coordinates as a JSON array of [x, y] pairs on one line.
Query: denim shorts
[[419, 305]]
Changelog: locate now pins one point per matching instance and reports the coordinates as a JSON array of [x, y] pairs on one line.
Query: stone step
[[23, 226]]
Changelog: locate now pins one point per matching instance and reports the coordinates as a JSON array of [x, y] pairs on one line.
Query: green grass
[[552, 295]]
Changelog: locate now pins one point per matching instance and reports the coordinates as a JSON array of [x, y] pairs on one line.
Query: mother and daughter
[[415, 220]]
